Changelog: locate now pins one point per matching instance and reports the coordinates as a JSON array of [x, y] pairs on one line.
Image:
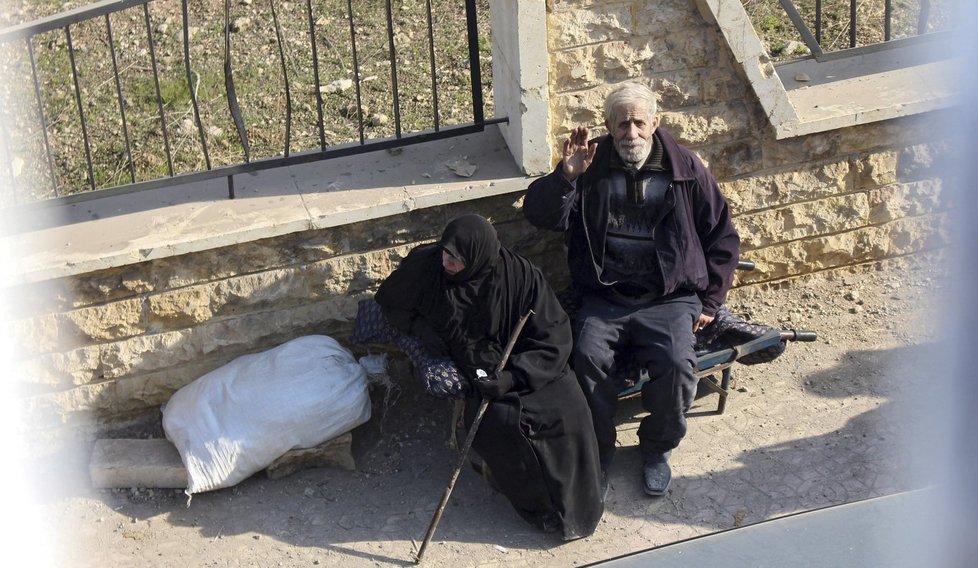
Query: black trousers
[[659, 335]]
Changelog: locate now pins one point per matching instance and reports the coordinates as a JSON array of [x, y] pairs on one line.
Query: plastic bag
[[237, 419]]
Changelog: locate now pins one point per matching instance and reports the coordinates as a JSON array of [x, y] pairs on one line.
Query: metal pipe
[[434, 81], [285, 76], [229, 89], [67, 18], [315, 73], [190, 83], [475, 71], [887, 19], [159, 95], [852, 23], [818, 22], [44, 121], [393, 59], [356, 69], [122, 102], [81, 109]]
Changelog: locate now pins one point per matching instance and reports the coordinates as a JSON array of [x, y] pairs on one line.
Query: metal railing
[[125, 95], [815, 41]]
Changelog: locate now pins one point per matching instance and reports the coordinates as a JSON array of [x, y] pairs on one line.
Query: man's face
[[632, 131]]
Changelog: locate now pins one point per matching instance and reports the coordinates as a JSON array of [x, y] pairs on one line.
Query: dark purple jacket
[[695, 241]]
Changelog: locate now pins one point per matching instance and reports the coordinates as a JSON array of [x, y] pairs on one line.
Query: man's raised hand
[[577, 153]]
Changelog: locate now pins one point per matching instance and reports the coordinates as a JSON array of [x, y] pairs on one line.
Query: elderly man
[[652, 251]]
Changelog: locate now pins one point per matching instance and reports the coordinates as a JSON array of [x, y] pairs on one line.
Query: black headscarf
[[473, 240]]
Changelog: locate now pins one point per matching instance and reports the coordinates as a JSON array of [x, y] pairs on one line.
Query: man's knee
[[671, 364]]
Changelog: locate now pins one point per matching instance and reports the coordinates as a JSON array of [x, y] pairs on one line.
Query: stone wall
[[107, 348], [104, 350]]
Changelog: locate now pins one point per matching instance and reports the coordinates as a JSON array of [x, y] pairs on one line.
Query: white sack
[[237, 419]]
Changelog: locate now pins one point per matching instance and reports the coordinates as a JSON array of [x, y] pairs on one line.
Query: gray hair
[[629, 93]]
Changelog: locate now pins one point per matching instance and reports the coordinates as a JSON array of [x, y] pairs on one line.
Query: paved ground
[[828, 422]]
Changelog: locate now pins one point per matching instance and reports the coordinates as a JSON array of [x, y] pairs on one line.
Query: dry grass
[[258, 80]]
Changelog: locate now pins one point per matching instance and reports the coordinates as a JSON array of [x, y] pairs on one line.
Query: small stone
[[378, 119], [240, 24], [462, 167], [337, 86], [802, 77]]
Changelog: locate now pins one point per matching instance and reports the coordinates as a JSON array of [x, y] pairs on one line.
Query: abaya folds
[[463, 297]]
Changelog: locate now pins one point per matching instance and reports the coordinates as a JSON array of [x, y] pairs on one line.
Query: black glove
[[494, 386]]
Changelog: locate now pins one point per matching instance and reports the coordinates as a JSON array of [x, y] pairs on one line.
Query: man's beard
[[633, 152]]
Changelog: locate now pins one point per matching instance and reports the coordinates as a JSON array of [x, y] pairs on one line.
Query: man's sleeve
[[719, 239], [549, 201]]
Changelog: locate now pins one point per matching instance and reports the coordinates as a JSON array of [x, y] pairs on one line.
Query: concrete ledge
[[868, 87], [106, 233], [902, 79]]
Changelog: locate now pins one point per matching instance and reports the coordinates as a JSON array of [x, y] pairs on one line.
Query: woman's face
[[451, 264]]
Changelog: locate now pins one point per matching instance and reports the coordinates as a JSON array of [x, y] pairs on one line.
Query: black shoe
[[657, 476]]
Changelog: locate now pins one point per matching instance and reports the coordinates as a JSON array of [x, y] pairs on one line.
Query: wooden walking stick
[[468, 442]]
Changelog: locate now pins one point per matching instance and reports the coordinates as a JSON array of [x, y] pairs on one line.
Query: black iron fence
[[847, 24], [122, 95]]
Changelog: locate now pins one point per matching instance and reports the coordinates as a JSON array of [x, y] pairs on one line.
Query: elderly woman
[[462, 297]]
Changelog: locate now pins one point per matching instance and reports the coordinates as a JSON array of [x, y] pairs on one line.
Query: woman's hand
[[495, 386]]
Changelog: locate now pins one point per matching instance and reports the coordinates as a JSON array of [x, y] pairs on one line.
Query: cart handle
[[798, 335]]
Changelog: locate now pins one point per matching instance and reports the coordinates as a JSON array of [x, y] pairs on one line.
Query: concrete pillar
[[520, 81]]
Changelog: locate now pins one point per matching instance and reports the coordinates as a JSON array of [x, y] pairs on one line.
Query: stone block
[[876, 169], [181, 308], [925, 160], [714, 124], [785, 187], [802, 220], [107, 322], [654, 17], [155, 463], [149, 463], [61, 369], [336, 453], [581, 27], [31, 336]]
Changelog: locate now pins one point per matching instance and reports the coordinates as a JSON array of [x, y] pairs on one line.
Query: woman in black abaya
[[462, 297]]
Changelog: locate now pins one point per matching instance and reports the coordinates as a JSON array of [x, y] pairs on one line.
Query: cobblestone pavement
[[828, 422]]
